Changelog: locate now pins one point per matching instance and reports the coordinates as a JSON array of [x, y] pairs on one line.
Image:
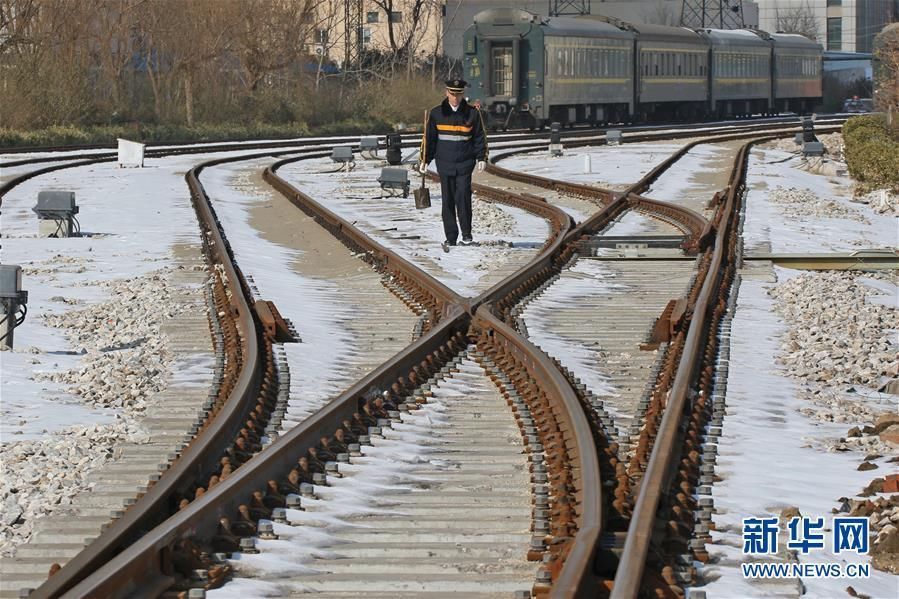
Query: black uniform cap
[[456, 85]]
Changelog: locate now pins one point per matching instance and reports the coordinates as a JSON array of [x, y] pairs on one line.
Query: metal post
[[12, 303]]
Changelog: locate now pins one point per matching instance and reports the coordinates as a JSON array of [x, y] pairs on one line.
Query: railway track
[[575, 445]]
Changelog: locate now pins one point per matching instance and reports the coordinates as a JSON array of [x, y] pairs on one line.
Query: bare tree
[[405, 32], [798, 19], [886, 56], [271, 36], [325, 38], [17, 19], [662, 13]]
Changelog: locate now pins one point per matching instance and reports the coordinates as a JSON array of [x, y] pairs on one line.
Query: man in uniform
[[455, 137]]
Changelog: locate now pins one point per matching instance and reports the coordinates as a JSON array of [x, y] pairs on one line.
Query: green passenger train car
[[526, 70]]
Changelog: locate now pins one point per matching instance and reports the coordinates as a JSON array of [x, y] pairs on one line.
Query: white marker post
[[131, 154]]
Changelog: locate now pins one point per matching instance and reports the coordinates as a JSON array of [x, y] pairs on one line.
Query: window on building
[[321, 36], [834, 2], [366, 36], [834, 33], [371, 17], [396, 16]]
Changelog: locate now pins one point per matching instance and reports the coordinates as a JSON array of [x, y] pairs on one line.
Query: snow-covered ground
[[89, 354], [610, 167], [317, 306], [416, 234], [790, 210], [131, 220], [773, 456], [801, 371]]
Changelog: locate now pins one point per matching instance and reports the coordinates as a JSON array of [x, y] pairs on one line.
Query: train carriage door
[[502, 76]]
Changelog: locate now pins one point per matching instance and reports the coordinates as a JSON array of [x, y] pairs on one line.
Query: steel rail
[[206, 448], [573, 132], [442, 296], [451, 313], [168, 149], [665, 455], [130, 564], [691, 223], [576, 578], [143, 567]]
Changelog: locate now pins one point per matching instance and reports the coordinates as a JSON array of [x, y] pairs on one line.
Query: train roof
[[663, 32], [794, 40], [500, 21], [584, 26], [740, 37]]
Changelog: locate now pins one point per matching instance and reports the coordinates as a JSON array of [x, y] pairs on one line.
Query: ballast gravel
[[125, 361], [839, 336], [803, 203]]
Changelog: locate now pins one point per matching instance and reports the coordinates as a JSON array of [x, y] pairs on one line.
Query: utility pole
[[352, 59], [562, 8], [715, 14]]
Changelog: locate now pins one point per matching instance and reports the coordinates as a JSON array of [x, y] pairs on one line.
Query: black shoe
[[448, 242], [467, 241]]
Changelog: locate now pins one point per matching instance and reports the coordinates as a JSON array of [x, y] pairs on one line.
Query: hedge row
[[872, 152], [75, 135]]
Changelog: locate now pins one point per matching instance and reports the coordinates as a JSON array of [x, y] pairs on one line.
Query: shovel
[[423, 194]]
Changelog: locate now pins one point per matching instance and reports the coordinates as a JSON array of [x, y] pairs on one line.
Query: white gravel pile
[[39, 477], [125, 358], [488, 219], [125, 361], [803, 203], [842, 345], [837, 337]]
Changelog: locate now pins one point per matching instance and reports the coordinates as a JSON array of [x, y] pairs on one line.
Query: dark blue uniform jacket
[[456, 140]]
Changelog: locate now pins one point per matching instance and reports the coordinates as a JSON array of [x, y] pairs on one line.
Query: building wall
[[839, 25], [330, 37]]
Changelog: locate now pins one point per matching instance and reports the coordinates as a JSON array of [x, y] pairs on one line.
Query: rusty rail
[[431, 292], [566, 431], [211, 441], [665, 455], [146, 564]]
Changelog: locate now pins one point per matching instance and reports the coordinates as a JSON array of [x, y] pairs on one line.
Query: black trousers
[[456, 193]]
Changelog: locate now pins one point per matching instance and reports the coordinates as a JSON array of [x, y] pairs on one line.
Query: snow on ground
[[682, 184], [314, 304], [416, 234], [388, 467], [789, 210], [587, 278], [611, 167], [770, 455], [130, 221], [76, 382], [801, 357]]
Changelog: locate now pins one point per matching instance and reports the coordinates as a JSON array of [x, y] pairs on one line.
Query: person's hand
[[422, 168], [482, 164]]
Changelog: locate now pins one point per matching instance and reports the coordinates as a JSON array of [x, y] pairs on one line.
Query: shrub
[[872, 152]]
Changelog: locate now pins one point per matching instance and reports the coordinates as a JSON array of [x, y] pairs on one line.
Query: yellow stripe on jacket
[[459, 128]]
